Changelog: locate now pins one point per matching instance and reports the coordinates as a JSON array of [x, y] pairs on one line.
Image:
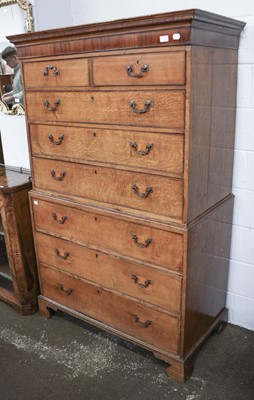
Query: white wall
[[85, 11], [240, 300], [241, 281], [50, 14]]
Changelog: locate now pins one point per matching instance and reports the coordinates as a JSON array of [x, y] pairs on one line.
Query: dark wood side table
[[5, 83], [18, 271]]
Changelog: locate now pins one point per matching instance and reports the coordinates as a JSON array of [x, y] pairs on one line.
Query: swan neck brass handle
[[47, 105], [56, 142], [144, 110], [142, 245], [64, 257], [141, 324], [143, 69], [135, 190], [58, 178], [62, 290], [52, 68], [141, 285], [59, 221], [134, 146]]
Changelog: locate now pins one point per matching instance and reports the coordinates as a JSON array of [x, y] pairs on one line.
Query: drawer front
[[134, 240], [130, 317], [136, 149], [161, 108], [56, 73], [140, 69], [144, 283], [144, 192]]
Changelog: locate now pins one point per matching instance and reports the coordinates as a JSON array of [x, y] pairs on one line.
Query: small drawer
[[120, 236], [145, 192], [140, 69], [144, 283], [154, 151], [160, 108], [56, 73], [121, 313]]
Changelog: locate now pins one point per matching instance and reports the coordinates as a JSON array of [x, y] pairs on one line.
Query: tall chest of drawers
[[131, 133]]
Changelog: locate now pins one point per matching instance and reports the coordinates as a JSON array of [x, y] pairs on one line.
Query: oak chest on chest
[[131, 134]]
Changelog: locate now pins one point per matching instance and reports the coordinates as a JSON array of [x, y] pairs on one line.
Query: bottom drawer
[[144, 323]]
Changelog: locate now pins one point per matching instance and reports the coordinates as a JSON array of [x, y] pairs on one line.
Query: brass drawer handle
[[58, 178], [141, 324], [57, 142], [51, 68], [141, 285], [61, 289], [64, 257], [146, 108], [144, 68], [47, 105], [149, 190], [141, 152], [59, 221], [142, 245]]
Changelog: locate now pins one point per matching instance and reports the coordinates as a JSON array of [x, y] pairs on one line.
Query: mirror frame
[[25, 5]]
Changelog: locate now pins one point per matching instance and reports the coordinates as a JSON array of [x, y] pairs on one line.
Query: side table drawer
[[139, 321], [144, 283], [135, 240]]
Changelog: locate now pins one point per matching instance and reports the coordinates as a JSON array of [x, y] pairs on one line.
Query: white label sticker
[[36, 202], [176, 36], [164, 38]]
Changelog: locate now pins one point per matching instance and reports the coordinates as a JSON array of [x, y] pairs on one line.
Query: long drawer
[[125, 237], [133, 318], [159, 108], [160, 152], [139, 281], [144, 192]]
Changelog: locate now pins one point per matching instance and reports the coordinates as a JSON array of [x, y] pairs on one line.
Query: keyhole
[[137, 61], [94, 134]]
